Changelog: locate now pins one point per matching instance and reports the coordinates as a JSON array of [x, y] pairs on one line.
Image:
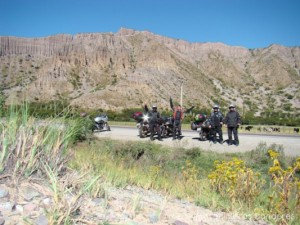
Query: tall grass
[[26, 143], [31, 148], [178, 172]]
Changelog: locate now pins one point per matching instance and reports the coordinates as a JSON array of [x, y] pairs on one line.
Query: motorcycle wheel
[[164, 133], [202, 136], [141, 132]]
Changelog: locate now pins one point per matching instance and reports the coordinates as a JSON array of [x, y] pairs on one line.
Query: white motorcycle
[[101, 123]]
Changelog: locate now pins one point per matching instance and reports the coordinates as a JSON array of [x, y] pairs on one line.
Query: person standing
[[178, 115], [216, 121], [232, 121], [153, 121]]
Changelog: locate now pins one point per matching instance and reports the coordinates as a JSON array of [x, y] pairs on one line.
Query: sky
[[246, 23]]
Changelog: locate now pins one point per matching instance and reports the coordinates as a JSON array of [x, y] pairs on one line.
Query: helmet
[[216, 107], [154, 107], [231, 106]]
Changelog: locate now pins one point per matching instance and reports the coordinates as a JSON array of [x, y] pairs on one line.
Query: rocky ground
[[27, 204]]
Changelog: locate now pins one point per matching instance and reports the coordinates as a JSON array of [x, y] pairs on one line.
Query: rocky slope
[[28, 203], [122, 70]]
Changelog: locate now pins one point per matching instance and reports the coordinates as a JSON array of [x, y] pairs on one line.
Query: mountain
[[124, 69]]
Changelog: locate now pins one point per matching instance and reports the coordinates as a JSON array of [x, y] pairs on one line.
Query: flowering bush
[[235, 180], [285, 197]]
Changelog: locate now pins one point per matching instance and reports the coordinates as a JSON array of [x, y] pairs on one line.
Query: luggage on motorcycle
[[138, 116], [198, 121], [200, 117]]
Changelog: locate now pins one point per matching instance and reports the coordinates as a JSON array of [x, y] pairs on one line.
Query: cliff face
[[122, 70]]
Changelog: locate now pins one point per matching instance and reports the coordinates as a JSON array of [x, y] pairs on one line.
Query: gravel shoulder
[[131, 205]]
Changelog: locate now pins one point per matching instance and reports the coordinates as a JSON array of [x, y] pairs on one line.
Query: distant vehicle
[[101, 123]]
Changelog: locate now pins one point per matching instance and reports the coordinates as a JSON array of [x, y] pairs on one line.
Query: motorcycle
[[144, 126], [167, 126], [198, 120], [201, 125], [204, 130], [142, 123], [101, 123]]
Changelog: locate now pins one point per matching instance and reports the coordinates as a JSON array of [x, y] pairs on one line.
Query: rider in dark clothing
[[153, 121], [216, 121], [178, 114], [232, 121]]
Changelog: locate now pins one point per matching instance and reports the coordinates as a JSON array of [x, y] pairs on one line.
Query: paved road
[[290, 144]]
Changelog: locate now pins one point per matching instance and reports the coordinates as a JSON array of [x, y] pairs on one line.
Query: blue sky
[[247, 23]]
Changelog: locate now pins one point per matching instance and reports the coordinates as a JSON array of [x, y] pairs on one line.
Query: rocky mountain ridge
[[124, 69]]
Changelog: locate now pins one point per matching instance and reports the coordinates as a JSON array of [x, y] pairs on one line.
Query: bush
[[285, 197], [234, 180]]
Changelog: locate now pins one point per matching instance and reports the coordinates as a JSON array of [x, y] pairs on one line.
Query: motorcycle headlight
[[97, 119], [146, 118]]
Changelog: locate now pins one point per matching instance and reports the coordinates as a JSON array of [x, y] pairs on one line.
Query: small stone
[[97, 201], [3, 193], [30, 193], [178, 222], [19, 208], [30, 207], [6, 206], [153, 218], [47, 201], [41, 220]]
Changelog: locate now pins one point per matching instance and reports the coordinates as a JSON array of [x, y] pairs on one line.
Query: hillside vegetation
[[116, 71]]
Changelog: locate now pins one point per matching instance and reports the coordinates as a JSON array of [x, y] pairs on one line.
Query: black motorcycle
[[204, 130], [144, 126], [101, 123], [167, 126], [201, 124]]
